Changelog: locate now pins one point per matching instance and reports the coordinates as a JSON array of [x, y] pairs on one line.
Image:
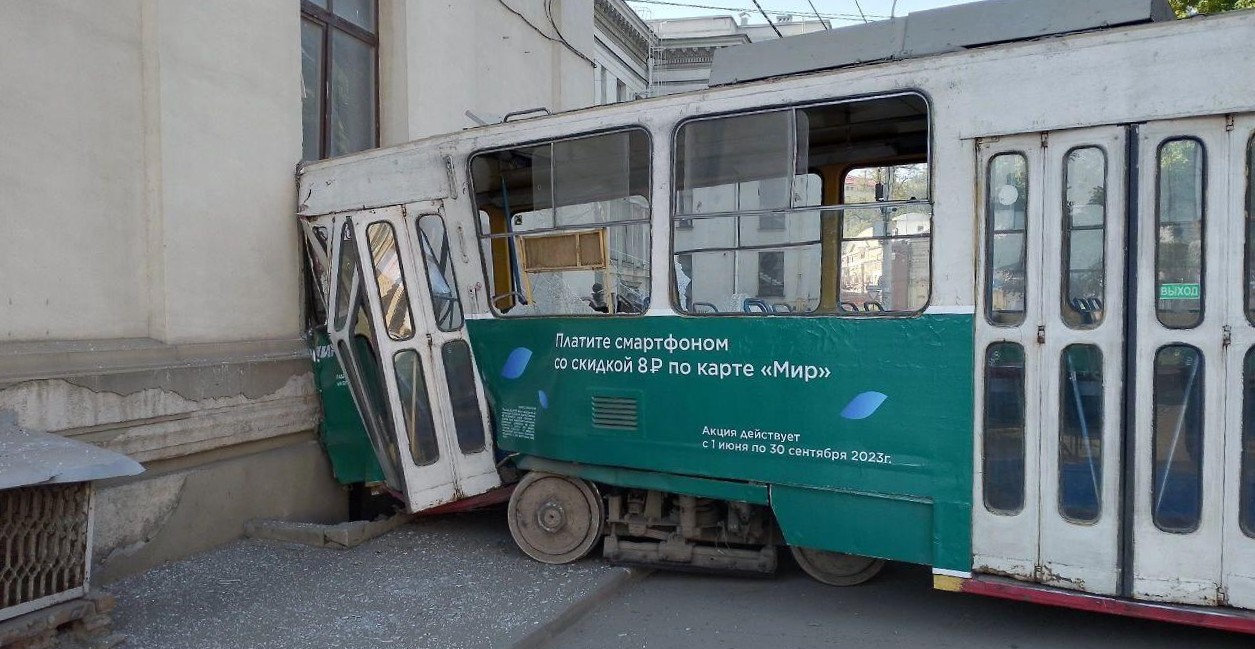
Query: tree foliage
[[1185, 8]]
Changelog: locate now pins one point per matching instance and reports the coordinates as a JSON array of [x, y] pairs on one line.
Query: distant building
[[622, 45], [687, 46]]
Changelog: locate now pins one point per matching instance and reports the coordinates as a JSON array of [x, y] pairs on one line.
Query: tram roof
[[928, 33]]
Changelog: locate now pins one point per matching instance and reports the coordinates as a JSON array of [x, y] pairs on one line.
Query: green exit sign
[[1179, 292]]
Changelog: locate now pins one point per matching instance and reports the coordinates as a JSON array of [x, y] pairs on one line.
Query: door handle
[[1041, 334]]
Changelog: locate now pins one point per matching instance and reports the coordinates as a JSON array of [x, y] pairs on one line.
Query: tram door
[[398, 329], [1050, 340], [1193, 528], [1062, 497]]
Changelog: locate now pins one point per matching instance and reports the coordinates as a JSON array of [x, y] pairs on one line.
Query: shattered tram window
[[565, 225], [815, 210]]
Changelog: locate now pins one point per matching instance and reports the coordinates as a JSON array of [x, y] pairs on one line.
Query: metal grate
[[43, 542], [618, 413]]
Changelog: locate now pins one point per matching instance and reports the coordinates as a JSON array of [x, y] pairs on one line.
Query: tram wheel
[[836, 568], [555, 519]]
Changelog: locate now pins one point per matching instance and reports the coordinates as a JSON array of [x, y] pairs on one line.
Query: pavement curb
[[542, 636], [342, 536]]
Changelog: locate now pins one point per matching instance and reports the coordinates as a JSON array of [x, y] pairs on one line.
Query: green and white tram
[[990, 310]]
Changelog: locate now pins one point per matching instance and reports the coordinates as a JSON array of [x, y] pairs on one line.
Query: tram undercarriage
[[558, 519]]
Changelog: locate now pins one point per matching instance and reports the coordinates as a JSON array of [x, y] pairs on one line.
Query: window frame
[[1246, 462], [985, 428], [1204, 179], [885, 239], [328, 20], [674, 217], [453, 271], [988, 232], [481, 236], [1154, 492], [402, 279], [1247, 222], [1060, 482], [1065, 269]]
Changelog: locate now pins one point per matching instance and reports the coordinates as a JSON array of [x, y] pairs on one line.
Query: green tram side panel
[[861, 428], [342, 433]]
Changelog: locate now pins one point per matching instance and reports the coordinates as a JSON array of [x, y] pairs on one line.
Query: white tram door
[[404, 355], [1238, 579], [456, 391], [1049, 352], [1195, 529]]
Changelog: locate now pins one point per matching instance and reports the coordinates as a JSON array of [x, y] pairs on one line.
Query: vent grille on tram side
[[616, 413]]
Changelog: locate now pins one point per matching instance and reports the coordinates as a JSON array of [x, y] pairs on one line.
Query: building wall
[[623, 45], [150, 268], [455, 56]]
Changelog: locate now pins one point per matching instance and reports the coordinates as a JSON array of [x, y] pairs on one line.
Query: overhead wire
[[821, 20], [860, 10], [540, 31], [773, 25], [549, 15], [694, 5]]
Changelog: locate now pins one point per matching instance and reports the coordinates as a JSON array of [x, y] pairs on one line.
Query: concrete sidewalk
[[455, 581]]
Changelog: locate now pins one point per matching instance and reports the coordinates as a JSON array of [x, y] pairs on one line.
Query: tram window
[[565, 225], [442, 282], [736, 265], [765, 228], [1002, 449], [1177, 447], [1084, 255], [732, 164], [1250, 231], [460, 375], [1080, 433], [346, 276], [1246, 508], [1006, 209], [1180, 222], [415, 407], [885, 258], [394, 299], [364, 370]]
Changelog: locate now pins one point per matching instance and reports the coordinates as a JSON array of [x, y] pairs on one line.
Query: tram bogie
[[680, 532]]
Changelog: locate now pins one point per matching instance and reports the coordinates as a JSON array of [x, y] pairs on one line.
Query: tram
[[989, 310]]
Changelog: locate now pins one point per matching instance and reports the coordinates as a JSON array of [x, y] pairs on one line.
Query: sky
[[840, 12]]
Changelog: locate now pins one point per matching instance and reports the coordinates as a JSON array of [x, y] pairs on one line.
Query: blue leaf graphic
[[544, 399], [516, 363], [864, 405]]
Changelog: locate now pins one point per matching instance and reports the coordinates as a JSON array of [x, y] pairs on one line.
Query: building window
[[771, 274], [339, 70]]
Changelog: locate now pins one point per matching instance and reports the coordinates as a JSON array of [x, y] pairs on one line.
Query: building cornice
[[617, 20]]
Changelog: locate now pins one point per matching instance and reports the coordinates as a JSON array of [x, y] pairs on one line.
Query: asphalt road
[[449, 582], [898, 609]]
